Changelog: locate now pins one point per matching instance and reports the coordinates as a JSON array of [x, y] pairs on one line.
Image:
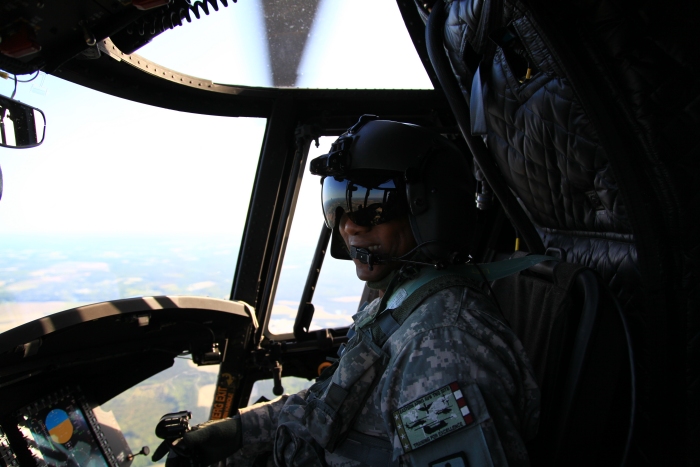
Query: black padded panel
[[600, 147]]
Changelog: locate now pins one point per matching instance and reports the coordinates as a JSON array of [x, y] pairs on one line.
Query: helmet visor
[[364, 205]]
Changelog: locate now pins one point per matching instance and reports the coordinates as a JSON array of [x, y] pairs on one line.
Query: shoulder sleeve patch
[[431, 417]]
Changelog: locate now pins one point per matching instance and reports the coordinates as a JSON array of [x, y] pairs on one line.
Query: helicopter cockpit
[[162, 248], [157, 228]]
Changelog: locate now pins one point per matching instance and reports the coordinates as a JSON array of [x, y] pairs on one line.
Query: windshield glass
[[338, 291], [121, 200], [361, 44], [124, 200], [184, 385]]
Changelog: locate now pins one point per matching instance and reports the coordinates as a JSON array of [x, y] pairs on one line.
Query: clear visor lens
[[365, 206]]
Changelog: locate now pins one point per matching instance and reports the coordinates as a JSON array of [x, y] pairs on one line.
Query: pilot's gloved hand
[[178, 454], [203, 445]]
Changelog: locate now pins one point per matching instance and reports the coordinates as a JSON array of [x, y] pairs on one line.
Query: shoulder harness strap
[[389, 321]]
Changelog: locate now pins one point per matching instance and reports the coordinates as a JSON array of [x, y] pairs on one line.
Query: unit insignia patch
[[431, 417]]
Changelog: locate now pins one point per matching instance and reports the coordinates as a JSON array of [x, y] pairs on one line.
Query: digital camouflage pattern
[[454, 335], [258, 423]]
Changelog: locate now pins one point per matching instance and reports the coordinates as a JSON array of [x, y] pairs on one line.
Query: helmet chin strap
[[367, 257]]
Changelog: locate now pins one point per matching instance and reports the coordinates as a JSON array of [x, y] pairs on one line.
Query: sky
[[112, 166]]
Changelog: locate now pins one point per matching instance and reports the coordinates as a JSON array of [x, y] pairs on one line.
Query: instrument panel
[[55, 372]]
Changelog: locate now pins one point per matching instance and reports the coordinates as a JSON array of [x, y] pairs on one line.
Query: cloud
[[57, 255], [204, 368], [280, 311], [323, 319], [71, 267], [283, 316], [24, 285], [110, 254], [201, 285], [64, 272], [132, 280], [281, 326], [206, 395], [353, 299]]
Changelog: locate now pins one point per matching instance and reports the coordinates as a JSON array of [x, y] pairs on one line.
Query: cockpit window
[[361, 44], [121, 200], [124, 200], [338, 290], [184, 386]]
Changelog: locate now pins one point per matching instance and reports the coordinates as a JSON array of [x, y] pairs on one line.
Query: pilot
[[431, 373]]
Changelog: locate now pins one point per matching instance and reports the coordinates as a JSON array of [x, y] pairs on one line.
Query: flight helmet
[[380, 170]]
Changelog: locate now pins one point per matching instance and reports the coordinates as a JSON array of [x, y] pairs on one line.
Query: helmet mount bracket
[[364, 119]]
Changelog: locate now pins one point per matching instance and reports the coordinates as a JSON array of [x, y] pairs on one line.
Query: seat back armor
[[575, 336]]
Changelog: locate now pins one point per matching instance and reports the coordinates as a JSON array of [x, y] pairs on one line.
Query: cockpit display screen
[[59, 432]]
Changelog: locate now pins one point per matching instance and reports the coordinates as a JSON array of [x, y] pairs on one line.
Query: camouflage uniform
[[454, 335]]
